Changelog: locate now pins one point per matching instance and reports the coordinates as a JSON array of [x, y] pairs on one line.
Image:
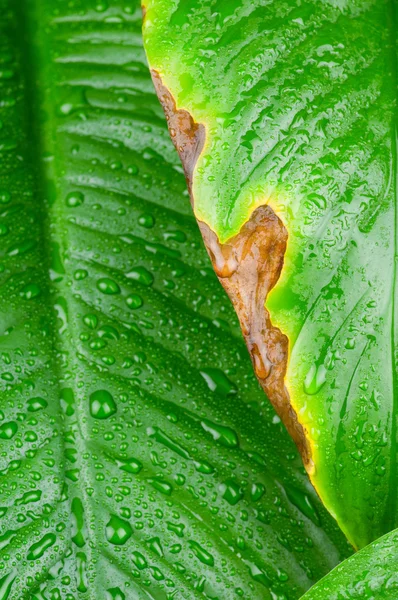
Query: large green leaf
[[293, 107], [139, 458], [368, 575]]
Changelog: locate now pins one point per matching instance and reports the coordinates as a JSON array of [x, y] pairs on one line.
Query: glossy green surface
[[138, 457], [298, 100], [368, 575]]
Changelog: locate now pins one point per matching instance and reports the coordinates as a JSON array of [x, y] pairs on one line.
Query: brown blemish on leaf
[[248, 266], [188, 137]]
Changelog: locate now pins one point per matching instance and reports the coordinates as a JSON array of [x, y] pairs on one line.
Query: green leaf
[[369, 574], [285, 114], [139, 458]]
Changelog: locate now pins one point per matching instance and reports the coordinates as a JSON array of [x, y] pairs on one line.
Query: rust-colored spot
[[188, 137], [248, 266]]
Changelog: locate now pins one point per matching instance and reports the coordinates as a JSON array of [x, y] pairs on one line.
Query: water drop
[[303, 502], [78, 524], [74, 199], [156, 547], [161, 486], [6, 584], [108, 286], [314, 379], [102, 405], [30, 291], [80, 274], [37, 550], [8, 430], [5, 197], [35, 404], [90, 321], [218, 382], [175, 236], [205, 557], [21, 248], [81, 571], [141, 274], [231, 492], [108, 332], [115, 594], [130, 465], [177, 528], [139, 560], [28, 497], [134, 301], [101, 6], [349, 344], [67, 399], [226, 436], [258, 574], [7, 538], [118, 531], [257, 491], [146, 220]]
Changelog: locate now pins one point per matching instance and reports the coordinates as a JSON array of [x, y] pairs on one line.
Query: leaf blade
[[121, 347], [298, 103], [368, 574]]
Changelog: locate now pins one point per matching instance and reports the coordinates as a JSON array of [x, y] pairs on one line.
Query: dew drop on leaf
[[130, 465], [140, 274], [7, 538], [35, 404], [39, 548], [108, 286], [314, 379], [205, 557], [146, 220], [134, 301], [257, 491], [5, 197], [139, 560], [102, 404], [74, 199], [90, 321], [303, 502], [218, 382], [8, 430], [231, 492], [118, 531], [80, 274], [224, 435], [114, 594], [32, 290], [28, 497]]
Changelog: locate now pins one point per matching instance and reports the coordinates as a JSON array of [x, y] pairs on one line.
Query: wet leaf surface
[[371, 573], [298, 103], [138, 457]]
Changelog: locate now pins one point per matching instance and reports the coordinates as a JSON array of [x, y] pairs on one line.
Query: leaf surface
[[369, 574], [138, 457], [296, 105]]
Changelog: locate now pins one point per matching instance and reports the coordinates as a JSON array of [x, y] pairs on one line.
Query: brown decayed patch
[[248, 266], [188, 137]]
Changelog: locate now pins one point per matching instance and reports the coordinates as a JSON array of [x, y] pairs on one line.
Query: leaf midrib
[[33, 77], [391, 517]]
